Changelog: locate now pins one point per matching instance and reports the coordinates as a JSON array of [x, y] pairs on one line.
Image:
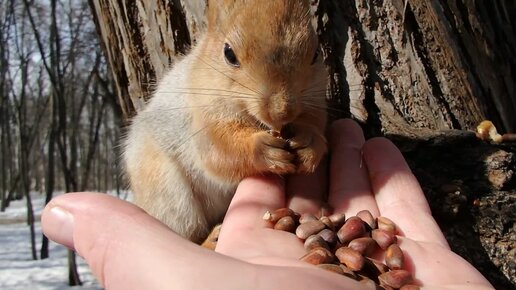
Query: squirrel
[[220, 114]]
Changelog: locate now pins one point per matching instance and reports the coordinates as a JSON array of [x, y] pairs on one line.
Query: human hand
[[127, 249]]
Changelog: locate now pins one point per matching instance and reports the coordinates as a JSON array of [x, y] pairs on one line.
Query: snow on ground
[[17, 269]]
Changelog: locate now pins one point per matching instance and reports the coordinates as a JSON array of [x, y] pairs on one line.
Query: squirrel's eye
[[316, 56], [230, 56]]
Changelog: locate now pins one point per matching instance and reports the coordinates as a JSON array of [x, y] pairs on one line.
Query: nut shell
[[318, 256], [338, 219], [351, 258], [345, 247], [386, 224], [329, 236], [383, 239], [364, 245], [315, 241], [332, 268], [276, 215], [309, 228], [395, 278], [286, 224], [353, 228], [306, 217], [394, 257], [327, 222], [368, 218]]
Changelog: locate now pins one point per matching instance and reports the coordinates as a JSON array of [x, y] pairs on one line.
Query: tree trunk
[[4, 118], [3, 148], [136, 60], [404, 65], [51, 170], [404, 68]]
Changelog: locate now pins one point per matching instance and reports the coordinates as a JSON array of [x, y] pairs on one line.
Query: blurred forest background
[[59, 123]]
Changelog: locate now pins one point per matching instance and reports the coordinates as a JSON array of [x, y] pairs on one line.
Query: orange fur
[[154, 158]]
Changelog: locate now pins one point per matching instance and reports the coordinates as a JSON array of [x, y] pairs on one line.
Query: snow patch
[[17, 269]]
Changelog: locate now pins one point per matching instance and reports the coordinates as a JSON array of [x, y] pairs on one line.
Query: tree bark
[[405, 65], [137, 58], [404, 68]]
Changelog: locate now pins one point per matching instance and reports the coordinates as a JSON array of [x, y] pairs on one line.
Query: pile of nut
[[346, 246]]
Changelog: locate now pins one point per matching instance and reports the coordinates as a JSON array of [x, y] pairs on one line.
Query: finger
[[244, 219], [117, 239], [254, 196], [350, 191], [307, 192], [426, 260], [398, 193]]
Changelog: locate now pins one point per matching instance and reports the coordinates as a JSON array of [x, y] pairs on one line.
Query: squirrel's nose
[[283, 109]]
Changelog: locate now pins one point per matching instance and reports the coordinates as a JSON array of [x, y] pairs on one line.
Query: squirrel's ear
[[217, 11]]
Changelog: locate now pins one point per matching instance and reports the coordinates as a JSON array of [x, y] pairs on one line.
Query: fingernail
[[58, 226]]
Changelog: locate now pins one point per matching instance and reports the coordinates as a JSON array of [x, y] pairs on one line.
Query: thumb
[[125, 247]]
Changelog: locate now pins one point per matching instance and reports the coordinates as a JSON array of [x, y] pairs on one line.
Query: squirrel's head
[[266, 53]]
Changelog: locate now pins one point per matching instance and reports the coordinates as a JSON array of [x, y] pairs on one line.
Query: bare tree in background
[[73, 86], [56, 107], [28, 124], [5, 26]]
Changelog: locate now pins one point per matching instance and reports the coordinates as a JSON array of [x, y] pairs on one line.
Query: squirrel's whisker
[[215, 90], [236, 96]]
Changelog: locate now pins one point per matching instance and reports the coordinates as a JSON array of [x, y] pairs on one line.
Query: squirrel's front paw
[[271, 154], [309, 144]]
